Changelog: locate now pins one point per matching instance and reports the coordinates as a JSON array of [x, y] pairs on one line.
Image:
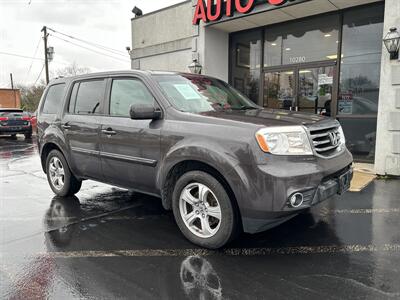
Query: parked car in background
[[34, 121], [221, 163], [15, 121]]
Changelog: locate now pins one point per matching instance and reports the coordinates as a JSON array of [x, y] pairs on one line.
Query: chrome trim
[[294, 205], [316, 143], [327, 148], [139, 160], [85, 151], [334, 127]]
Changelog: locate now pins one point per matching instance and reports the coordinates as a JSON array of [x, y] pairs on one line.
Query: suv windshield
[[197, 94]]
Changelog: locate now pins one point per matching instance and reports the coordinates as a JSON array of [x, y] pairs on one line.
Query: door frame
[[296, 68]]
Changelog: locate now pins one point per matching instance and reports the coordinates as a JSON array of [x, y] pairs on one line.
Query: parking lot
[[111, 243]]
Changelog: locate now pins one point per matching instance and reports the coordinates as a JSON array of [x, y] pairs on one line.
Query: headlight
[[342, 138], [285, 140]]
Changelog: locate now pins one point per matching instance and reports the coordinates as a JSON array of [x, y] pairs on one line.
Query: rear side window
[[89, 97], [53, 99], [126, 92]]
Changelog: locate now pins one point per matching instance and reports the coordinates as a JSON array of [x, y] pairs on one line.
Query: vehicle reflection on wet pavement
[[111, 243]]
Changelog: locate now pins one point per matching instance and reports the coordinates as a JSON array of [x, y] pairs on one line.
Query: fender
[[215, 156], [53, 135]]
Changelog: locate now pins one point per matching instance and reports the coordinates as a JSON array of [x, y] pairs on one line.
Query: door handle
[[108, 131], [66, 126]]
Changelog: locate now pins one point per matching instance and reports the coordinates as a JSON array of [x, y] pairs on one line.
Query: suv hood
[[269, 117]]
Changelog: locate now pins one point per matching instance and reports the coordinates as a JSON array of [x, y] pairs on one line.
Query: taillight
[[26, 118], [3, 118]]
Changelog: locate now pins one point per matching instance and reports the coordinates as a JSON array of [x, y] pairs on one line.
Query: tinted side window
[[125, 92], [53, 99], [90, 97]]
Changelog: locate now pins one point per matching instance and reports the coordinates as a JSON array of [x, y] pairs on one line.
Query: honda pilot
[[221, 163]]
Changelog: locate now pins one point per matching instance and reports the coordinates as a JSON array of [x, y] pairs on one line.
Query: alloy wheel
[[56, 173], [200, 210]]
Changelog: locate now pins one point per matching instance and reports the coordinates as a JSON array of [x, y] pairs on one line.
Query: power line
[[19, 55], [34, 55], [105, 48], [89, 49], [112, 50], [40, 74]]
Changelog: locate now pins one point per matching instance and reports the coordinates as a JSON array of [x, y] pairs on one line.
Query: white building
[[319, 56]]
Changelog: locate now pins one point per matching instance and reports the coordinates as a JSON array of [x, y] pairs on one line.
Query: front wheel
[[61, 180], [203, 210]]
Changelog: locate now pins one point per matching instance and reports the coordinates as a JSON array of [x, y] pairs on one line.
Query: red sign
[[205, 13]]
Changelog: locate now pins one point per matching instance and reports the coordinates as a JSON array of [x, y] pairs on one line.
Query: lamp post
[[392, 43], [195, 67]]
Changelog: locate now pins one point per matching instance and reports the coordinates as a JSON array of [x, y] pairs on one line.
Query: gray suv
[[221, 163]]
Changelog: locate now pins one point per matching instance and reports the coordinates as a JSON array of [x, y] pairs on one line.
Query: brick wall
[[10, 98]]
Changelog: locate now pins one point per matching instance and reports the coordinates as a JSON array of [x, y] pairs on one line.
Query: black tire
[[229, 227], [28, 135], [13, 136], [71, 184]]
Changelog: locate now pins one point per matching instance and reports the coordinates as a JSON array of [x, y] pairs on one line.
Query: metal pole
[[12, 87], [12, 82], [46, 61]]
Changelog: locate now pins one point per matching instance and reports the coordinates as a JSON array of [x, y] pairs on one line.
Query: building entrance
[[303, 87]]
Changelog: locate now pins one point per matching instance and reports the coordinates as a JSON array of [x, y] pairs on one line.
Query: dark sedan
[[14, 121]]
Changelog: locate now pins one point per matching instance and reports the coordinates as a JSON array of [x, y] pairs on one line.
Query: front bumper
[[265, 203]]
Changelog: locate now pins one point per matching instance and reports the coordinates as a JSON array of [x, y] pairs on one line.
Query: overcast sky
[[104, 22]]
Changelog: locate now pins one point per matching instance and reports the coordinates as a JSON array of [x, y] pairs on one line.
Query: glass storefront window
[[361, 61], [246, 63], [314, 39], [360, 78]]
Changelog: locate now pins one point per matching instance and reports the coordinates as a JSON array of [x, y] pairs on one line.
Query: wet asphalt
[[108, 243]]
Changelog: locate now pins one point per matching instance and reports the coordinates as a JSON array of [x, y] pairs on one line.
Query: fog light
[[296, 200]]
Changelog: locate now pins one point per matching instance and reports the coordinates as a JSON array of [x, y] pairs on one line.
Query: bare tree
[[72, 70], [30, 96]]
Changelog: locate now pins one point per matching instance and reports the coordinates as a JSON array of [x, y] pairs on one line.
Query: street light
[[137, 11], [195, 67], [392, 42]]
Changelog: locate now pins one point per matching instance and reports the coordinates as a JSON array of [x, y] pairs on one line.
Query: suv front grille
[[326, 141]]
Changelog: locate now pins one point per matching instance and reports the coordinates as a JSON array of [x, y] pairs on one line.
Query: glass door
[[300, 88], [315, 87], [280, 89]]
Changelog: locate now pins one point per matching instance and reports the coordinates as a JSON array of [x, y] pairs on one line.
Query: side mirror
[[144, 112]]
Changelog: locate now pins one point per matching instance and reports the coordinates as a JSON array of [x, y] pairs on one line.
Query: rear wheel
[[203, 210], [61, 180], [13, 136], [28, 135]]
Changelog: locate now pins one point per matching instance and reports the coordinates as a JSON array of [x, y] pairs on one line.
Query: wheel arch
[[47, 148], [183, 166]]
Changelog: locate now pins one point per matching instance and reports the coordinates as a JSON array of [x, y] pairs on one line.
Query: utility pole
[[12, 81], [12, 87], [46, 60]]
